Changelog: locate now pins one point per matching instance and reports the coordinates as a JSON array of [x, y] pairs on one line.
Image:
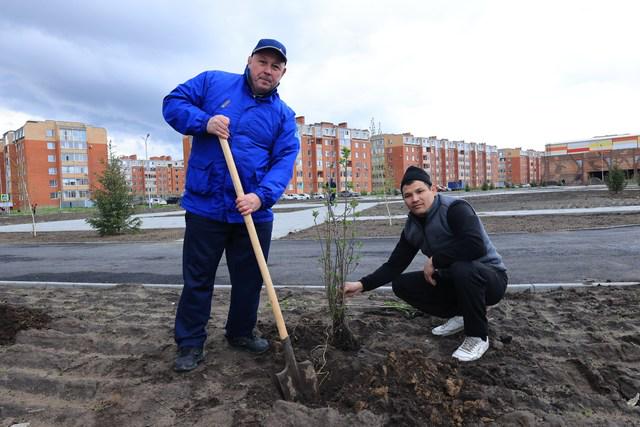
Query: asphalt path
[[556, 257]]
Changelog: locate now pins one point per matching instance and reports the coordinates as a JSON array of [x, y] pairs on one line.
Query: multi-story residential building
[[589, 160], [519, 167], [318, 162], [449, 163], [187, 140], [160, 176], [52, 163]]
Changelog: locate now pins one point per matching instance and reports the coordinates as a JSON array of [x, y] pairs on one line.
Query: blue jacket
[[263, 140]]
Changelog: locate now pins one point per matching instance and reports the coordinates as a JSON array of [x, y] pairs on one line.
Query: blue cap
[[271, 44]]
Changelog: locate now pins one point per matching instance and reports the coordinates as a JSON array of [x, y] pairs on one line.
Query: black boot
[[188, 358]]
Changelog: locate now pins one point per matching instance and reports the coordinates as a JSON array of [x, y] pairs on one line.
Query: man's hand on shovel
[[248, 203]]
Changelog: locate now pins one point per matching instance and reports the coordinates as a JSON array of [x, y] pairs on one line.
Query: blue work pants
[[205, 240]]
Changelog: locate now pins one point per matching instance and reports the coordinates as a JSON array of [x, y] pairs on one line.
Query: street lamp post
[[146, 174]]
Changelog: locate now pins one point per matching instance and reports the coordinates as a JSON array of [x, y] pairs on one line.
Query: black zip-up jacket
[[461, 237]]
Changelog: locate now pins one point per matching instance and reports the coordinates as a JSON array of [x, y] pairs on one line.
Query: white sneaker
[[450, 327], [472, 348]]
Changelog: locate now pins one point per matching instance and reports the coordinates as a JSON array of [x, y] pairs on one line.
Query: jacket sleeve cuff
[[205, 122], [258, 192], [366, 284], [437, 261]]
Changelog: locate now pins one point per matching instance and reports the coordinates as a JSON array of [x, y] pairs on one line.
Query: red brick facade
[[56, 162]]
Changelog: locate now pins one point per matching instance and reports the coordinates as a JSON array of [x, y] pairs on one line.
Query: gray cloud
[[473, 69]]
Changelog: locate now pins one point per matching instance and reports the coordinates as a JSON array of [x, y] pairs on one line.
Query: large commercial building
[[589, 160], [318, 162], [160, 176], [52, 163]]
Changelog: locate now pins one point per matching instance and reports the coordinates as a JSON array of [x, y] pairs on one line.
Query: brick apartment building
[[589, 161], [52, 163], [160, 176], [517, 167], [447, 162], [318, 162]]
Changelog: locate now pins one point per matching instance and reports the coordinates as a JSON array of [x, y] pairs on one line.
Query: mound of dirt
[[14, 319]]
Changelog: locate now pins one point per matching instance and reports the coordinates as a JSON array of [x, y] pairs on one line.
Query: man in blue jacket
[[261, 129], [463, 272]]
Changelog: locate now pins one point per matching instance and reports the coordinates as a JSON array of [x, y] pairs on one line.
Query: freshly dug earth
[[564, 358], [14, 319]]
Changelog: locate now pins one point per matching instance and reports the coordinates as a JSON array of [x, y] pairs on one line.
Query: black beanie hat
[[414, 173]]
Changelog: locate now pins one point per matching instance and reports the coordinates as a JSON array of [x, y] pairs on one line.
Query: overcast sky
[[509, 73]]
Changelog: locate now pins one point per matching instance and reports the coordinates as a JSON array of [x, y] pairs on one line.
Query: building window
[[53, 195], [51, 158], [53, 183], [51, 145], [53, 171], [50, 133]]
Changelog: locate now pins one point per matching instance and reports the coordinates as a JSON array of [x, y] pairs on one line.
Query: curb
[[513, 288]]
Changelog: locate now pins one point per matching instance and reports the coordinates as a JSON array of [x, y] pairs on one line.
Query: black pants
[[204, 242], [464, 289]]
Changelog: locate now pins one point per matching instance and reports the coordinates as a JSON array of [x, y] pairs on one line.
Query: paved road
[[607, 254]]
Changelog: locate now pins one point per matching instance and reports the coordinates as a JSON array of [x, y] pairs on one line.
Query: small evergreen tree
[[113, 202], [616, 181], [485, 186]]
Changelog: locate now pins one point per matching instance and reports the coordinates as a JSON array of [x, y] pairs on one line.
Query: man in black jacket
[[463, 273]]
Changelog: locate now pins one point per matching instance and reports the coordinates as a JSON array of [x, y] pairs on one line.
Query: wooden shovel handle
[[257, 249]]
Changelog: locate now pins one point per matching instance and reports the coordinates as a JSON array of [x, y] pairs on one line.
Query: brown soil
[[152, 235], [14, 319], [105, 359], [21, 218]]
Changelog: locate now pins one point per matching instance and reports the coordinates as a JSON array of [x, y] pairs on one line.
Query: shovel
[[298, 381]]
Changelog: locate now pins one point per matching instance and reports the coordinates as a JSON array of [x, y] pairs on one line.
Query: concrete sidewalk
[[287, 222], [284, 223]]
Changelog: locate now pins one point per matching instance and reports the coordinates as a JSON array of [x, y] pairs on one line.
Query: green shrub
[[616, 181]]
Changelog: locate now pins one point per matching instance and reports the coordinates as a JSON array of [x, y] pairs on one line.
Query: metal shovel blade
[[297, 381]]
